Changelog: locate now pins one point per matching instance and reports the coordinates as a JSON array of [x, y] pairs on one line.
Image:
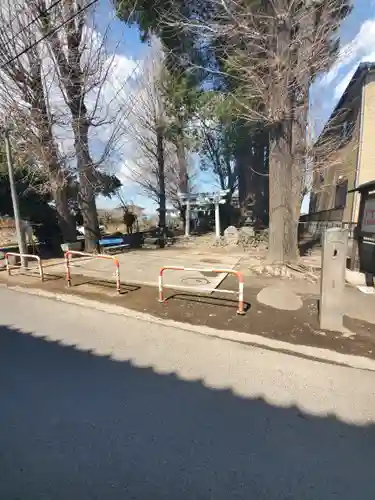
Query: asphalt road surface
[[99, 407]]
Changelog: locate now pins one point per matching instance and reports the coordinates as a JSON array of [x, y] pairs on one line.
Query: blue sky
[[357, 35], [357, 45], [126, 42]]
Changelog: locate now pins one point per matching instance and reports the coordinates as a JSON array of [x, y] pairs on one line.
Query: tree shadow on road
[[207, 299], [75, 425]]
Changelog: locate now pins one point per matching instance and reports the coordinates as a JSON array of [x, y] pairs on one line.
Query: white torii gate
[[190, 199]]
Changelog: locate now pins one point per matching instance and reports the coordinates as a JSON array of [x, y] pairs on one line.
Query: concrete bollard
[[332, 281]]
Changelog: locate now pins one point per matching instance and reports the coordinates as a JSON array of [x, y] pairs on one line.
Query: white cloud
[[362, 44], [107, 102], [344, 82], [328, 89], [109, 99], [360, 49]]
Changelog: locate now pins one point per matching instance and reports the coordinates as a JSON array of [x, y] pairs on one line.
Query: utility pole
[[16, 210], [188, 208], [161, 177]]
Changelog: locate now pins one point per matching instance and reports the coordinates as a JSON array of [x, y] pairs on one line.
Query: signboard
[[368, 220]]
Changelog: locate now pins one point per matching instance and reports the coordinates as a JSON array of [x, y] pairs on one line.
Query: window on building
[[341, 193]]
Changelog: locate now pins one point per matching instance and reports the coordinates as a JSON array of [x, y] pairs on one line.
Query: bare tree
[[48, 109], [26, 109], [216, 150], [274, 50], [82, 68], [153, 164]]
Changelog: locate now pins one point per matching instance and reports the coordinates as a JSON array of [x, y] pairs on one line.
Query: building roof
[[362, 70], [359, 75]]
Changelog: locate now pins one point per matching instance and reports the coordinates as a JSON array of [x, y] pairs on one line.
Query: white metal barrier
[[98, 256], [28, 256], [241, 307]]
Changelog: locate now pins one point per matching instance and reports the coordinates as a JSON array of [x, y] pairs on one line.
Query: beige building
[[344, 155]]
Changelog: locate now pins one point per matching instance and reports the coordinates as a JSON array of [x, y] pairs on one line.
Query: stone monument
[[231, 236]]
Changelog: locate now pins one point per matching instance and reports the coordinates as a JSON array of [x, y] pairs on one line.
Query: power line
[[41, 13], [54, 30]]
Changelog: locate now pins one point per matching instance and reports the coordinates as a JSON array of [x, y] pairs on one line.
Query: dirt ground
[[219, 312]]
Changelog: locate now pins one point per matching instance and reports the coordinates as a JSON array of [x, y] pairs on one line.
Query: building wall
[[341, 161], [367, 140]]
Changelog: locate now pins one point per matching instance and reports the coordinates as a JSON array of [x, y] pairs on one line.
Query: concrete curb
[[314, 353]]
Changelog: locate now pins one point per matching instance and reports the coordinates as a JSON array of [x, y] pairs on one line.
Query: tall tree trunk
[[59, 186], [241, 169], [161, 177], [299, 159], [68, 52], [182, 170], [243, 162], [283, 234], [182, 163], [87, 205], [282, 227], [64, 216], [87, 183], [182, 210], [257, 178], [301, 104], [266, 183]]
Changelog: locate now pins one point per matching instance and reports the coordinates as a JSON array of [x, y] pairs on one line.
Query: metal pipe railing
[[22, 256], [68, 253], [241, 307]]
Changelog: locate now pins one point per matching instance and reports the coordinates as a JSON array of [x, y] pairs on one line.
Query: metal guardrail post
[[67, 268], [98, 256], [241, 305], [23, 256]]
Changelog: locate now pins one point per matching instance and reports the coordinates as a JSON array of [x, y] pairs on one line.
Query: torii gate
[[190, 199]]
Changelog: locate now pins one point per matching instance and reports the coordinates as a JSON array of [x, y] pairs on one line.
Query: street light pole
[[16, 210]]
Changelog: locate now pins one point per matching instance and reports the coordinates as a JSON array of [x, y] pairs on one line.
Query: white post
[[187, 219], [217, 220], [332, 279]]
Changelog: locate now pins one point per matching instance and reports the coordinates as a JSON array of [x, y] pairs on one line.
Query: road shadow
[[78, 281], [32, 273], [209, 300], [106, 285], [75, 425]]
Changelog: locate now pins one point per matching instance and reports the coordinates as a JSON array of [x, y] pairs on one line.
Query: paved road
[[100, 407]]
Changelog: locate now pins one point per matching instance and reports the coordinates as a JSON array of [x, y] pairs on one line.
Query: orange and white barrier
[[28, 256], [97, 256], [241, 307]]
